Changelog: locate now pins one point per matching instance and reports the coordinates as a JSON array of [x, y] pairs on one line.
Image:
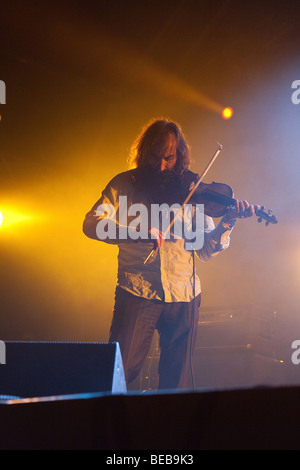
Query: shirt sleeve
[[104, 208], [216, 238], [104, 222]]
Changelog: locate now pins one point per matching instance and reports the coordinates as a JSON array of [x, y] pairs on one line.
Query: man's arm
[[217, 239], [105, 223], [94, 216]]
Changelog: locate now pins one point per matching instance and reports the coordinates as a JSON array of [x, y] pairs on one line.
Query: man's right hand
[[157, 237]]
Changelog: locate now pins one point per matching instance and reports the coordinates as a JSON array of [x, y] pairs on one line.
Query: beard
[[162, 186], [164, 178]]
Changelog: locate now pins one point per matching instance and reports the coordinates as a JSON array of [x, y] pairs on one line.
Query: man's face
[[164, 157]]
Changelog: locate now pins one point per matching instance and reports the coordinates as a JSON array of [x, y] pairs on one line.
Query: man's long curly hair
[[158, 132]]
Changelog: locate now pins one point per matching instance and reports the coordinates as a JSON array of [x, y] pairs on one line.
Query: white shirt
[[170, 276]]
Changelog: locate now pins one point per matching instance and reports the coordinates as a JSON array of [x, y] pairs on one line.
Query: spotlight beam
[[86, 46]]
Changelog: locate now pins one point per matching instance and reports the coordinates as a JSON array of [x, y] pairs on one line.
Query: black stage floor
[[262, 418]]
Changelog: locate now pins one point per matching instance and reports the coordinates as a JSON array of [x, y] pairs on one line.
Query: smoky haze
[[81, 83]]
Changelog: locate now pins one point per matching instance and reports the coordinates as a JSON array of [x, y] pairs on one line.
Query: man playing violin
[[165, 293]]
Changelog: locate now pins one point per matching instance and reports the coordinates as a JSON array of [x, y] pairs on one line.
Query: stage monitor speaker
[[43, 369]]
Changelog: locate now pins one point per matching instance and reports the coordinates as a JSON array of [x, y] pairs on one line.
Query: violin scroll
[[267, 216]]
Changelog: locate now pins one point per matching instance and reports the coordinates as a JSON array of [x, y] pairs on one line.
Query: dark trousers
[[134, 322]]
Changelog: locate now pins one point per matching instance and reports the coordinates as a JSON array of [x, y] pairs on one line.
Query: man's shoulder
[[125, 177]]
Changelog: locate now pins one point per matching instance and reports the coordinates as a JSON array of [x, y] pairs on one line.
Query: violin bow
[[200, 179]]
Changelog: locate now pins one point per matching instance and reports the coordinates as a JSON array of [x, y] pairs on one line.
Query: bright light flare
[[227, 113], [9, 217]]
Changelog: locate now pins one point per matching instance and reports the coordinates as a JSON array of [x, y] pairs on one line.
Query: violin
[[218, 197]]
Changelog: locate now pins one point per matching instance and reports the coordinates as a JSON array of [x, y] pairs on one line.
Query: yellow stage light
[[9, 217], [227, 113]]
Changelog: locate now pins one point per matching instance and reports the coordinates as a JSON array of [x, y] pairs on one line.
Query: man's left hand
[[242, 210]]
